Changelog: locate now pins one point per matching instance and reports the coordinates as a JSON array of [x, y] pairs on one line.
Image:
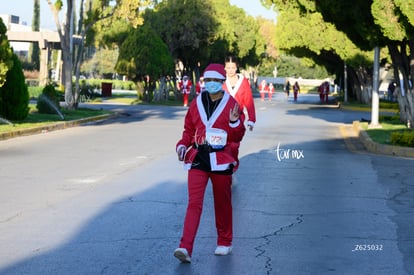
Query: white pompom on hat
[[215, 70]]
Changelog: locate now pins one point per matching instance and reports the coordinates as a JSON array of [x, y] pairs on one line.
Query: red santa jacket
[[243, 95], [271, 88], [185, 86], [263, 87], [195, 125]]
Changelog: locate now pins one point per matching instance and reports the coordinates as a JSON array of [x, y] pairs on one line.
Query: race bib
[[216, 138]]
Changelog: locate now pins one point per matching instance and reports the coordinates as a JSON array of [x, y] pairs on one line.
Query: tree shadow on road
[[130, 114], [330, 114]]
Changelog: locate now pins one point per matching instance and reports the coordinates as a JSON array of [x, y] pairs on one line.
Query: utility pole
[[375, 98], [345, 83]]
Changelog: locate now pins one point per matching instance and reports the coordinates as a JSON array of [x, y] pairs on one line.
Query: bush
[[34, 91], [116, 84], [392, 119], [87, 90], [389, 105], [48, 101], [403, 138], [14, 95]]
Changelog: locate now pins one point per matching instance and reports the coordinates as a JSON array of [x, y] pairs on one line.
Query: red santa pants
[[262, 96], [185, 99], [197, 183]]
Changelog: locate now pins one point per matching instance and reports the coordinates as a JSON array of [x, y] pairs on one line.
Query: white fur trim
[[234, 125], [218, 167], [233, 91]]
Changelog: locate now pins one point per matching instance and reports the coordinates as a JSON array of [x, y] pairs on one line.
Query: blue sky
[[24, 9], [253, 7]]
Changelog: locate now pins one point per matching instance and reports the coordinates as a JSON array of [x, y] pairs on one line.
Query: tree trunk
[[403, 72], [361, 84], [79, 56], [65, 36]]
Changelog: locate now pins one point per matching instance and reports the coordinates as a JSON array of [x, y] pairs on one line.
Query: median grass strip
[[383, 135], [389, 120], [34, 119], [384, 107]]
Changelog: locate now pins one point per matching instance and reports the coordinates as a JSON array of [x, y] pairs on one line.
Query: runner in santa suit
[[296, 91], [239, 87], [185, 87], [321, 91], [211, 127], [200, 86], [263, 89], [326, 91], [271, 90]]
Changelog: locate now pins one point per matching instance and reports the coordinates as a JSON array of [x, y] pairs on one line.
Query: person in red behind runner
[[296, 90], [263, 90], [239, 87], [185, 87], [270, 91], [211, 125], [200, 85]]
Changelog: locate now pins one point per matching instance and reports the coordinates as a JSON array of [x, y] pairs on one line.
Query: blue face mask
[[213, 87]]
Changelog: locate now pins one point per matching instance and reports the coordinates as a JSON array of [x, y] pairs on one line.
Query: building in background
[[13, 23]]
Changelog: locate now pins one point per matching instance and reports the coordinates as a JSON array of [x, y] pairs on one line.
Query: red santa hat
[[215, 70]]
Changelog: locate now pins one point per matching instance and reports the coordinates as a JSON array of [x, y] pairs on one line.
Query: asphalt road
[[110, 198]]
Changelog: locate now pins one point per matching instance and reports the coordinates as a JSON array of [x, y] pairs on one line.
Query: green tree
[[102, 64], [292, 66], [268, 32], [198, 32], [240, 32], [186, 27], [311, 37], [6, 54], [380, 23], [14, 95], [151, 58], [34, 50], [129, 10]]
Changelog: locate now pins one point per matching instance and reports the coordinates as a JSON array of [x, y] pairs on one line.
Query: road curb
[[377, 148], [52, 127]]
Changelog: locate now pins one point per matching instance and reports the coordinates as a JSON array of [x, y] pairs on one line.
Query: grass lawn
[[390, 123], [34, 119], [136, 101], [384, 107], [383, 135]]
